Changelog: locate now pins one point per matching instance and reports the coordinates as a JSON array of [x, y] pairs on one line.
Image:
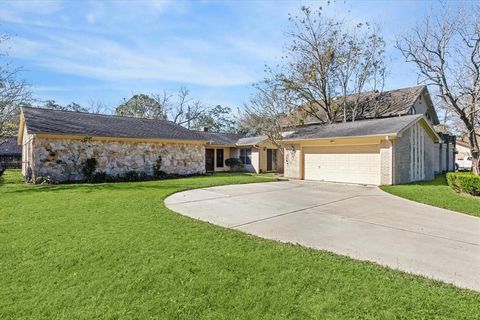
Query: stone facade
[[62, 159], [386, 162], [293, 161]]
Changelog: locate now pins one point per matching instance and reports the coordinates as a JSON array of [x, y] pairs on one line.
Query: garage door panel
[[352, 164]]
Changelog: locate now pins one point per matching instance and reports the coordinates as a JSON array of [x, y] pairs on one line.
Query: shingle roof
[[382, 126], [221, 138], [97, 125], [9, 147], [381, 104], [251, 141]]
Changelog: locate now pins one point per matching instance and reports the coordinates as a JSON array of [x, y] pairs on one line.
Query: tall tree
[[445, 48], [327, 59], [141, 106], [217, 119], [14, 92]]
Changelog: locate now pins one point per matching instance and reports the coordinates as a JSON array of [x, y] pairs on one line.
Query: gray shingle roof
[[97, 125], [383, 126], [9, 147], [380, 104], [251, 141], [221, 138]]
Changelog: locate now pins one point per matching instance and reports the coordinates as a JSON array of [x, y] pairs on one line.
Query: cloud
[[103, 59]]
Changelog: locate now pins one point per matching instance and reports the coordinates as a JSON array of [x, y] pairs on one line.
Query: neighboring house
[[463, 150], [10, 153], [392, 141]]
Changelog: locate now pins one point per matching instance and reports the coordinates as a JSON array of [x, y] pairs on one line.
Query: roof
[[361, 128], [59, 122], [391, 103], [9, 147], [221, 138], [251, 141]]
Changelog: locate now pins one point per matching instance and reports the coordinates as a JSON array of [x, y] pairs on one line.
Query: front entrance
[[209, 160], [271, 159]]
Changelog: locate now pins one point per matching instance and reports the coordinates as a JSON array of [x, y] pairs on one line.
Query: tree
[[325, 60], [179, 108], [445, 48], [269, 112], [217, 119], [14, 93], [141, 106]]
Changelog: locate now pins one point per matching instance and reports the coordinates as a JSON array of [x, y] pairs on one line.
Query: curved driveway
[[361, 222]]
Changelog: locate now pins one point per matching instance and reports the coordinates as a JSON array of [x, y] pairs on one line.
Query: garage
[[350, 164]]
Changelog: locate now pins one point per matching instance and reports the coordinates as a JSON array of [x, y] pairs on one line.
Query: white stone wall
[[61, 160], [386, 162]]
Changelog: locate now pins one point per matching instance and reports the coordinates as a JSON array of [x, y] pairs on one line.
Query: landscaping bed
[[113, 251], [464, 182]]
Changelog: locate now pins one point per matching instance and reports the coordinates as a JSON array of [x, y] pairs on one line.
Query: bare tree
[[269, 112], [186, 110], [326, 59], [14, 92], [446, 50]]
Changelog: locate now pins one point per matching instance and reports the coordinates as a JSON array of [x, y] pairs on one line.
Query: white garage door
[[352, 164]]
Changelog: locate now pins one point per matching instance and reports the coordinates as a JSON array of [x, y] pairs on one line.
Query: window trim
[[246, 158]]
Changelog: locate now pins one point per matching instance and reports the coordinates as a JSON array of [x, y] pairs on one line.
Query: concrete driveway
[[361, 222]]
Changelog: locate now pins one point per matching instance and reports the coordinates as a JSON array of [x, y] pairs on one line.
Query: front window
[[219, 158], [246, 156]]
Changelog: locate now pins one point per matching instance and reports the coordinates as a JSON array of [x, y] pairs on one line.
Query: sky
[[105, 51]]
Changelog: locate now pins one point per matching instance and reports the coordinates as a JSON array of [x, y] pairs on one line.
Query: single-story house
[[463, 149], [10, 153], [56, 143]]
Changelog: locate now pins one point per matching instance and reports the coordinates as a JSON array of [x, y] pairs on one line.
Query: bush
[[464, 182], [157, 169], [88, 168], [131, 176], [234, 163], [99, 177]]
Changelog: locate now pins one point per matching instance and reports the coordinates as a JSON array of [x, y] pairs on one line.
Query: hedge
[[464, 182]]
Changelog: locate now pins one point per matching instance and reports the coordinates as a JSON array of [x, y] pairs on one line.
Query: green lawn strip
[[437, 193], [113, 251]]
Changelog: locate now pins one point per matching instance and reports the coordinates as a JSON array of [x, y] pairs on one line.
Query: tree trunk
[[472, 137]]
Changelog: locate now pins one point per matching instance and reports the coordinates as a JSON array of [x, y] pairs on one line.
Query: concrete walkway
[[357, 221]]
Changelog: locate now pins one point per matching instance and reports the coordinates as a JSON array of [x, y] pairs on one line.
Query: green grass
[[437, 193], [113, 251]]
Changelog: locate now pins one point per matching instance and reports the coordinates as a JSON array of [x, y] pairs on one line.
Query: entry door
[[209, 159], [269, 160]]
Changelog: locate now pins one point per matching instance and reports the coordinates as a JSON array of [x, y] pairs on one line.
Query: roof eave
[[383, 135]]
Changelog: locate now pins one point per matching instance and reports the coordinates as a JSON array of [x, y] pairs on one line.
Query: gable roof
[[391, 103], [360, 128], [9, 147], [218, 138], [58, 122]]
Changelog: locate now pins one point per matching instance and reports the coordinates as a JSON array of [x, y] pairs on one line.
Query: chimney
[[205, 129]]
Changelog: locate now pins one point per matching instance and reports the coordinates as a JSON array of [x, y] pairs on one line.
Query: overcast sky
[[106, 51]]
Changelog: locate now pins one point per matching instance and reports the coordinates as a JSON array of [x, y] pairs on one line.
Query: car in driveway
[[464, 164]]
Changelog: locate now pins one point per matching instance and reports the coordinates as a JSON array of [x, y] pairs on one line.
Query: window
[[219, 158], [413, 110], [246, 156]]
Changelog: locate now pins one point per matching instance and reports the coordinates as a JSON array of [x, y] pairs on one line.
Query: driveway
[[361, 222]]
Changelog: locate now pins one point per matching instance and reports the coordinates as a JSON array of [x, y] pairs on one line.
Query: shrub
[[99, 177], [234, 163], [131, 176], [157, 169], [464, 182], [88, 168]]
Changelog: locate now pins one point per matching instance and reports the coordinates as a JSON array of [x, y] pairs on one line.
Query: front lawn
[[437, 193], [113, 251]]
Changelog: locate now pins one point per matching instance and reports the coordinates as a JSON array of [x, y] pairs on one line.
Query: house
[[10, 153], [56, 143], [392, 141], [463, 149]]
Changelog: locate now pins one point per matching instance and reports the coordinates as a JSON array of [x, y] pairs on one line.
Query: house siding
[[62, 159], [293, 161]]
